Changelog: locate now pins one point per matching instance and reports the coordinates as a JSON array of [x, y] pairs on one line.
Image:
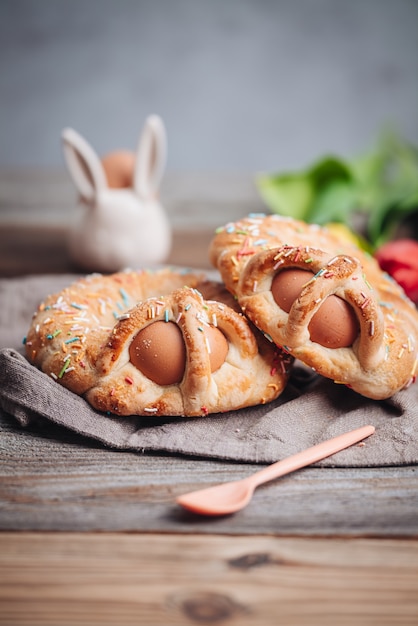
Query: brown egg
[[218, 347], [287, 285], [119, 168], [334, 325], [159, 352]]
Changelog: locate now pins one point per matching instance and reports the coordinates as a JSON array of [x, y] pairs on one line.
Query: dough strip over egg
[[348, 321], [208, 358]]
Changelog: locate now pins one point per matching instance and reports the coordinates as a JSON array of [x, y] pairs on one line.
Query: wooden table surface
[[93, 536]]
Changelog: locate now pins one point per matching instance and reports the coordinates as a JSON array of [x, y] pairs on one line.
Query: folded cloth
[[310, 410]]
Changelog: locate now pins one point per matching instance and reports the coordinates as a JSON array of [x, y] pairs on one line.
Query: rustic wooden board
[[47, 197], [37, 208], [53, 480], [56, 579], [297, 555], [28, 250]]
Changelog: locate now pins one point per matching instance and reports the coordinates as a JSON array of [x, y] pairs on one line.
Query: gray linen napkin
[[310, 410]]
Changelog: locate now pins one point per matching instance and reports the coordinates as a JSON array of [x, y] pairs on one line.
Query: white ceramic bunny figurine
[[119, 227]]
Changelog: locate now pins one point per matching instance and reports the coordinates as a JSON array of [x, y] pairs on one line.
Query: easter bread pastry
[[161, 343], [322, 299]]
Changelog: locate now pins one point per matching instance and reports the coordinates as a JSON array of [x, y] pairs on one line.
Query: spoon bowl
[[220, 499], [231, 497]]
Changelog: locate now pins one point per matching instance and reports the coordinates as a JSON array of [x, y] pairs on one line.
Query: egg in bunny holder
[[121, 222]]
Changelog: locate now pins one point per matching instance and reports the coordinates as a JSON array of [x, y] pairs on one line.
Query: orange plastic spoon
[[234, 496]]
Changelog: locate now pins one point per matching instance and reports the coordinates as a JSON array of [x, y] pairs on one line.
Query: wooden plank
[[195, 200], [28, 250], [53, 480], [37, 209], [97, 579]]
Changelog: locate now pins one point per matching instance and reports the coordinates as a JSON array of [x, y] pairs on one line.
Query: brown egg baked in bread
[[161, 343], [322, 299]]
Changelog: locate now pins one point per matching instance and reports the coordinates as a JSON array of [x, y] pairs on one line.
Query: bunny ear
[[151, 157], [83, 164]]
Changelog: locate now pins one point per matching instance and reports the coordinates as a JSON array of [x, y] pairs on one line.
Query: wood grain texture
[[37, 208], [116, 579], [28, 250], [196, 200], [319, 547], [50, 479]]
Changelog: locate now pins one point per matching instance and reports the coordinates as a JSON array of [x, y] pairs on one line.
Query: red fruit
[[399, 259]]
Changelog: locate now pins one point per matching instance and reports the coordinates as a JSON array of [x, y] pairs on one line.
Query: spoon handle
[[311, 455]]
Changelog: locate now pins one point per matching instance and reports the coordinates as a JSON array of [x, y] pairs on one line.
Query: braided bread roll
[[141, 343], [322, 299]]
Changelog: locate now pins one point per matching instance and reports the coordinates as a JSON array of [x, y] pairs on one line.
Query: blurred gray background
[[243, 85]]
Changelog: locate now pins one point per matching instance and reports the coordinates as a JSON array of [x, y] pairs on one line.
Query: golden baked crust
[[81, 337], [251, 252]]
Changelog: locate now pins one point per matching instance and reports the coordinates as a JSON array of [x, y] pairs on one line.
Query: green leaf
[[387, 219], [333, 203], [287, 194], [380, 185], [296, 195], [328, 170]]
